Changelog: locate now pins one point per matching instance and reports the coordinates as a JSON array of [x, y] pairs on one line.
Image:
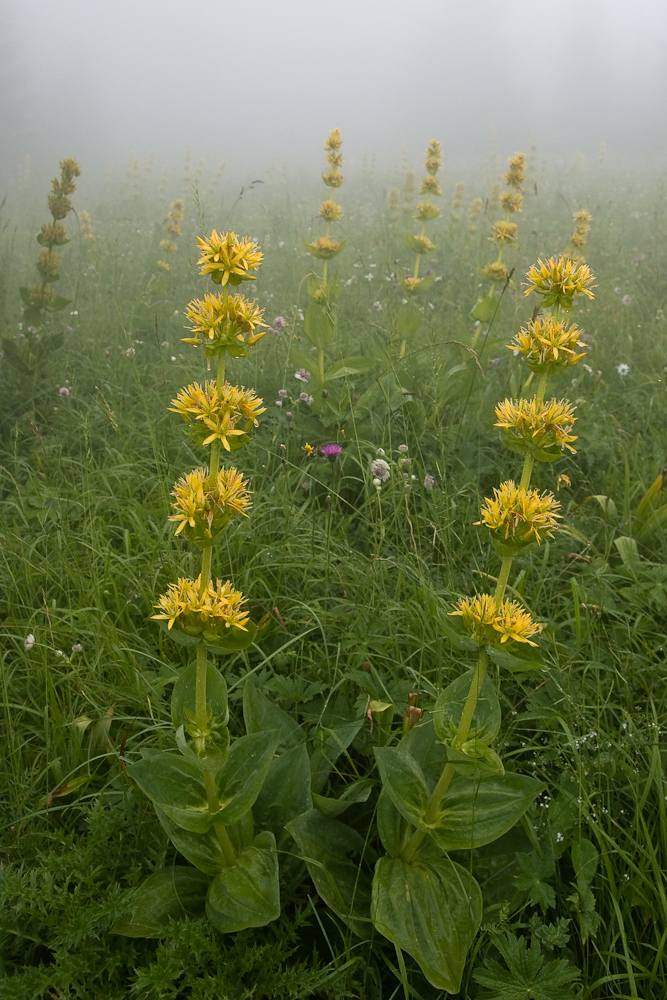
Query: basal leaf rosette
[[499, 625], [324, 247], [213, 413], [518, 517], [548, 345], [559, 281], [540, 429], [204, 505], [228, 259], [212, 614], [224, 324]]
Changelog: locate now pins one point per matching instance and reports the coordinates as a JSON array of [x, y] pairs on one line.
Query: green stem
[[503, 577], [320, 365], [438, 794], [200, 697], [529, 460]]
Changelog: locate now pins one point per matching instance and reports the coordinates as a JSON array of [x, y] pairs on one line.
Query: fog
[[252, 83]]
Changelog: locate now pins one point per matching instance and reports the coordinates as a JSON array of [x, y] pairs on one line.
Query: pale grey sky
[[251, 82]]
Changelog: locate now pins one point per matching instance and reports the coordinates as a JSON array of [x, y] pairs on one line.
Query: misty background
[[253, 83]]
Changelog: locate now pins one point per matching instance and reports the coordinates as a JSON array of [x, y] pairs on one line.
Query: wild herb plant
[[204, 793], [444, 788], [503, 233], [409, 316]]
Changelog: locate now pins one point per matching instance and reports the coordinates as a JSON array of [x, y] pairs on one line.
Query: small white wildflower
[[402, 449], [380, 453], [618, 290], [77, 648], [59, 652], [623, 369], [369, 277], [377, 483], [380, 469], [626, 300], [378, 306], [29, 642]]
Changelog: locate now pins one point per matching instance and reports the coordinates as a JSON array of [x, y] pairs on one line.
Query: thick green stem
[[438, 794], [200, 698], [228, 852], [503, 577], [529, 460]]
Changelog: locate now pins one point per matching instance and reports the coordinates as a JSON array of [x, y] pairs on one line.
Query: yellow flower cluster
[[426, 211], [224, 324], [333, 178], [536, 428], [516, 172], [204, 612], [492, 624], [559, 281], [496, 271], [224, 414], [511, 201], [430, 186], [420, 244], [548, 345], [517, 516], [204, 506], [324, 247], [53, 234], [48, 264], [227, 258], [433, 161], [583, 220], [504, 231], [330, 211]]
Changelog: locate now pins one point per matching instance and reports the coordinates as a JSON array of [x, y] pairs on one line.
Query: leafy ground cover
[[351, 585]]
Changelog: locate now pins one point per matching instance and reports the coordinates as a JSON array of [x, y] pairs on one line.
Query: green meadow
[[350, 578]]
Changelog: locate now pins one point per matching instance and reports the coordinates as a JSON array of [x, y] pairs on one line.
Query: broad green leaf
[[58, 303], [474, 759], [233, 640], [246, 894], [408, 319], [175, 785], [392, 826], [241, 779], [201, 849], [448, 709], [171, 894], [286, 791], [629, 553], [214, 755], [584, 859], [485, 309], [357, 791], [319, 325], [523, 657], [334, 855], [477, 813], [260, 715], [431, 909], [12, 355], [347, 367], [404, 782], [422, 745], [329, 745]]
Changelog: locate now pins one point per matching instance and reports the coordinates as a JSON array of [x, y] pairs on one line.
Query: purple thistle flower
[[429, 482], [279, 323], [330, 451]]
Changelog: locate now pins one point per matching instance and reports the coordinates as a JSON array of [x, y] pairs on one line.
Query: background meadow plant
[[86, 547]]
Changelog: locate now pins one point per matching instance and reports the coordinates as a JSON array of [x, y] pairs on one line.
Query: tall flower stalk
[[423, 815], [204, 797], [503, 234], [42, 297], [409, 316]]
